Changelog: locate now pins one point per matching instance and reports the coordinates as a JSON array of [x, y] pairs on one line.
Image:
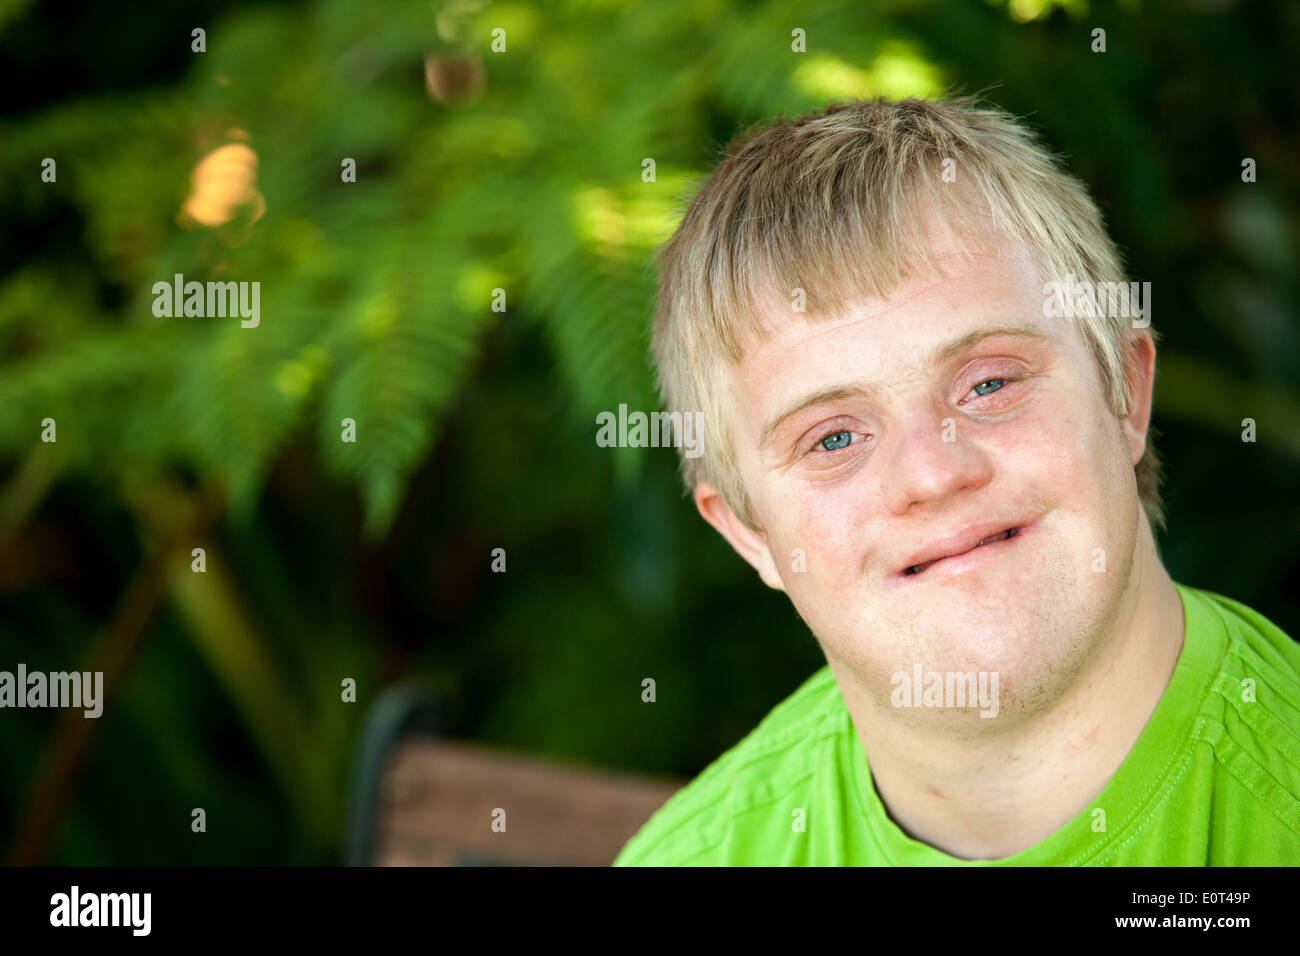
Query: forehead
[[889, 341], [992, 285], [967, 258]]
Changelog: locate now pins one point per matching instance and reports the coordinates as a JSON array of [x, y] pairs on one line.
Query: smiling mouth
[[1001, 536]]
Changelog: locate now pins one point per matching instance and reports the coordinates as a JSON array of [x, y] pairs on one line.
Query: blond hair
[[831, 203]]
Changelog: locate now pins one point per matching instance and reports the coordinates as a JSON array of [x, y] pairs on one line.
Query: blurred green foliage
[[518, 170]]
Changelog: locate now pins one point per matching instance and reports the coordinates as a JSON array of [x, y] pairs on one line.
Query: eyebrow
[[939, 356]]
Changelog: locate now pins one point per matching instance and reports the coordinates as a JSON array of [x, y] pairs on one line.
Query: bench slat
[[437, 799]]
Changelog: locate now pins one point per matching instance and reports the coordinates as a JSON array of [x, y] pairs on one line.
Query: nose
[[930, 460]]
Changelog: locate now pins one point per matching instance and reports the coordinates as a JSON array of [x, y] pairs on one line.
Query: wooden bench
[[424, 801]]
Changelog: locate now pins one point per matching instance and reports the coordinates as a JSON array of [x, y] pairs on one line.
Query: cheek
[[829, 520], [1066, 446], [817, 537], [1080, 468]]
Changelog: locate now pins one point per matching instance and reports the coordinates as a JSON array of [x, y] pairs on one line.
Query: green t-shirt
[[1214, 779]]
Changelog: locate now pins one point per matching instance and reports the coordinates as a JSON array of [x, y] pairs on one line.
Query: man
[[927, 428]]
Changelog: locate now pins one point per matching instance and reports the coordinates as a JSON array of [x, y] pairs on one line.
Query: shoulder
[[1254, 641], [1252, 715], [769, 762]]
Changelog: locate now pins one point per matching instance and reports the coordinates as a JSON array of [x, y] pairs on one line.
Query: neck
[[988, 798]]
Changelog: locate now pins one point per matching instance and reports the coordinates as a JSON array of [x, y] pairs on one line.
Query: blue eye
[[836, 440], [999, 382]]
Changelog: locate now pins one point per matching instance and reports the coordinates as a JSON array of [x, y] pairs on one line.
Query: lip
[[955, 553]]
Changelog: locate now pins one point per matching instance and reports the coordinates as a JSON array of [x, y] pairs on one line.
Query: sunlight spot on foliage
[[293, 378], [825, 76], [649, 217], [1026, 11], [519, 20], [297, 376], [475, 284], [897, 72], [599, 220], [378, 315], [222, 182], [901, 71]]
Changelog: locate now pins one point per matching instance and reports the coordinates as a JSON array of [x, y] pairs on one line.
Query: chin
[[1006, 644], [1032, 637]]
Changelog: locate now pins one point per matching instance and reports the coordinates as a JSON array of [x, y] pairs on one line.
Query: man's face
[[932, 434]]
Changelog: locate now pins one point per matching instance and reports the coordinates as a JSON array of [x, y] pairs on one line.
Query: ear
[[1140, 375], [750, 545]]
